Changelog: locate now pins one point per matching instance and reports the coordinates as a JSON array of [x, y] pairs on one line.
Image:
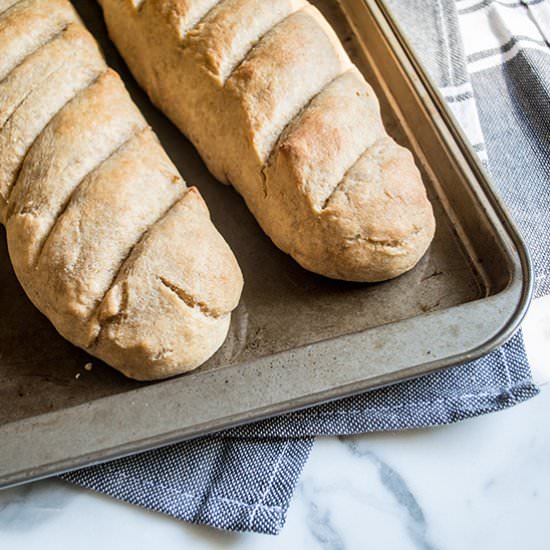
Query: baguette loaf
[[104, 235], [267, 94]]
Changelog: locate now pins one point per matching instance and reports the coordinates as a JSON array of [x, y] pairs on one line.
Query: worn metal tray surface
[[297, 338]]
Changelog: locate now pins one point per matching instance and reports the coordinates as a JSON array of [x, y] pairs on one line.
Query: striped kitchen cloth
[[507, 49], [491, 62]]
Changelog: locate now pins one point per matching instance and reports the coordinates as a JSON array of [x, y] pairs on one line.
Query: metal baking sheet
[[296, 339]]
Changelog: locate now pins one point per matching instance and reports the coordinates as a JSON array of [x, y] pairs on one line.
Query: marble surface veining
[[481, 484]]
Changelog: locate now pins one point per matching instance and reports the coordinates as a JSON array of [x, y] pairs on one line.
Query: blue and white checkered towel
[[488, 57]]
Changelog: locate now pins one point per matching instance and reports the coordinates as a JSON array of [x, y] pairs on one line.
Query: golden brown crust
[[184, 300], [104, 235], [46, 18], [268, 96], [70, 69], [229, 31]]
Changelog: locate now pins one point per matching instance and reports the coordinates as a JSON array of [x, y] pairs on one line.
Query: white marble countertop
[[481, 484]]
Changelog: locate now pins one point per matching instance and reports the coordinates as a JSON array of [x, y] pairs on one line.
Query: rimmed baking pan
[[296, 339]]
